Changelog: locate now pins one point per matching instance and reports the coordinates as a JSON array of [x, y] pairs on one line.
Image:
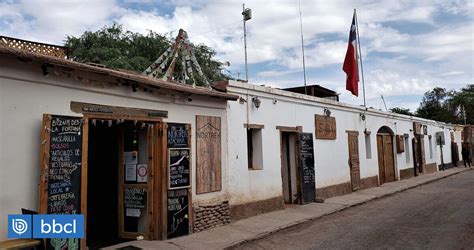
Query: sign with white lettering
[[65, 162], [179, 172], [177, 134], [178, 213]]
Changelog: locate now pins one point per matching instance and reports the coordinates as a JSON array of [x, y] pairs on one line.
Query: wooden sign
[[90, 108], [208, 154], [178, 213], [417, 128], [306, 161], [178, 169], [400, 144], [65, 162], [325, 127], [177, 134]]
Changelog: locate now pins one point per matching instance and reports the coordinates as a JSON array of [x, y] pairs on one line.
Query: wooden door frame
[[383, 136], [157, 159], [419, 153], [295, 131], [380, 159], [356, 135]]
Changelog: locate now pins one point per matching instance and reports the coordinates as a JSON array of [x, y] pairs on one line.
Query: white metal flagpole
[[302, 47], [360, 58]]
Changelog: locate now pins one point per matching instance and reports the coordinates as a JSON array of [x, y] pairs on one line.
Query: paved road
[[439, 215]]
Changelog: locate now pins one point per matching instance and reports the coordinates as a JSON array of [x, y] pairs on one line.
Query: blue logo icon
[[19, 226], [58, 226], [50, 226]]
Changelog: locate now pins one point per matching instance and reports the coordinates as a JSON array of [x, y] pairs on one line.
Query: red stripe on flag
[[350, 67]]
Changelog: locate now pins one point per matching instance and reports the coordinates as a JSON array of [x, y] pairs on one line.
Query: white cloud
[[412, 62]]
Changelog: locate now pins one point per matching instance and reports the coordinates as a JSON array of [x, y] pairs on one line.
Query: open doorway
[[118, 188], [289, 167], [102, 185]]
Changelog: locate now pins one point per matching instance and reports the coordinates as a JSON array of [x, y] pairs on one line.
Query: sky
[[408, 47]]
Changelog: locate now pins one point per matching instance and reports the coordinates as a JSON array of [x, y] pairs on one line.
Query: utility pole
[[247, 15]]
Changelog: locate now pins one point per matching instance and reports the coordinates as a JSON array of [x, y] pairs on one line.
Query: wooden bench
[[19, 243]]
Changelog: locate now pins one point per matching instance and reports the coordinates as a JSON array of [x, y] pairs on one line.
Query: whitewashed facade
[[26, 94], [283, 108]]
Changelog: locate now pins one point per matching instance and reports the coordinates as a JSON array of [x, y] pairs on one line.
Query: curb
[[293, 224]]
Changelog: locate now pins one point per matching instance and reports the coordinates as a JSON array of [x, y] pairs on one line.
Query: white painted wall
[[281, 108], [25, 94]]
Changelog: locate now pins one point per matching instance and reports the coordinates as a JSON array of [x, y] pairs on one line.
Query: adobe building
[[133, 154]]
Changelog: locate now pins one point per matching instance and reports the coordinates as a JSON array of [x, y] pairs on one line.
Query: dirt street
[[439, 215]]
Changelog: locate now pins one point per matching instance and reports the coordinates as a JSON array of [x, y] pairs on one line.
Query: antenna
[[247, 15], [302, 48], [384, 103]]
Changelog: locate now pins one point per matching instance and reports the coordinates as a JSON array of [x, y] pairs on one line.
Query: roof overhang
[[131, 77]]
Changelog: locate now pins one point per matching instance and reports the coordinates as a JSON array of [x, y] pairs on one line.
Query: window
[[407, 148], [431, 146], [254, 148], [368, 147]]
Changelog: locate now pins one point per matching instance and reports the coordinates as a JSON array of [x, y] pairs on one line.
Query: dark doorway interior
[[288, 167], [102, 185]]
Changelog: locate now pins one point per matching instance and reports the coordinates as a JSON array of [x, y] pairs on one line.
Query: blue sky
[[408, 47]]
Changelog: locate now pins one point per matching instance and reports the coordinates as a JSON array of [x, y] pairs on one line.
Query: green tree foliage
[[402, 111], [462, 104], [448, 106], [117, 48]]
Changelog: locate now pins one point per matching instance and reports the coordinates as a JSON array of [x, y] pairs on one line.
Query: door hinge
[[160, 132]]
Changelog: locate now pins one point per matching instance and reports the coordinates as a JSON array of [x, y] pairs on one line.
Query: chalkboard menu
[[306, 158], [179, 172], [178, 217], [134, 198], [177, 134], [65, 161]]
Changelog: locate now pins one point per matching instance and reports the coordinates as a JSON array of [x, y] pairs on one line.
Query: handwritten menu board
[[65, 161], [177, 134], [135, 198], [179, 173], [178, 217], [306, 158]]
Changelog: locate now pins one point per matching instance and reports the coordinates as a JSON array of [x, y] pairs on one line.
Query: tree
[[117, 48], [435, 106], [402, 111], [462, 103]]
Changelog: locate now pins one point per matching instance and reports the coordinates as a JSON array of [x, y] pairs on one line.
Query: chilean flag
[[350, 62]]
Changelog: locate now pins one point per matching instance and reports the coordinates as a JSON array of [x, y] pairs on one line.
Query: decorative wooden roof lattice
[[164, 66], [35, 47]]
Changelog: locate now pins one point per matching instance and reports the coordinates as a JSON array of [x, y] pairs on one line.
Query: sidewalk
[[262, 225]]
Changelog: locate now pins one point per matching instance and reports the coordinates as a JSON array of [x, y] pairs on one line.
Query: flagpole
[[360, 57], [302, 48]]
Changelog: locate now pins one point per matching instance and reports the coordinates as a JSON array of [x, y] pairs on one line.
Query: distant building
[[315, 90]]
